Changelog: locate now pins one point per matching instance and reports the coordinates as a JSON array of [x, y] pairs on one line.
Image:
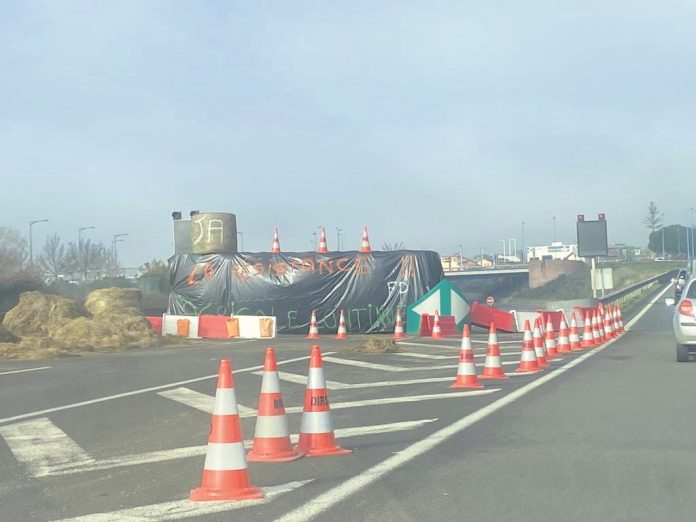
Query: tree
[[14, 254], [653, 219], [154, 267], [88, 257], [393, 246], [53, 259], [675, 240]]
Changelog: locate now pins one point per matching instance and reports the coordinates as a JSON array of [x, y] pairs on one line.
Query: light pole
[[503, 242], [663, 237], [523, 252], [554, 229], [512, 241], [79, 246], [31, 240], [691, 237], [338, 238], [461, 256], [115, 250], [241, 241]]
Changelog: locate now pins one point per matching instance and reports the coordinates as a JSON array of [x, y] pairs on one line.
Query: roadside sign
[[489, 300]]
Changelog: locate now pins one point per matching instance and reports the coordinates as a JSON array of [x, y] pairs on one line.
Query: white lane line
[[137, 392], [201, 401], [25, 370], [301, 379], [185, 508], [194, 451], [41, 445], [640, 314], [330, 498], [382, 384], [383, 367], [425, 356]]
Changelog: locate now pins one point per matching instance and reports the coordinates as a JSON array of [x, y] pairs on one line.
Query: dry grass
[[39, 314], [378, 345], [125, 301]]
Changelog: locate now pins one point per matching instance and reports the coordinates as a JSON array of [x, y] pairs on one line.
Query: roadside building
[[556, 250]]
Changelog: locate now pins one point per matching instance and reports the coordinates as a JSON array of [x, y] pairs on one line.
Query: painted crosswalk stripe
[[383, 367], [41, 445], [194, 451], [425, 356], [201, 401], [180, 509], [301, 379], [9, 372]]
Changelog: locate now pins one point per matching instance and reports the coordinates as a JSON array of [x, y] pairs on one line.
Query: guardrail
[[635, 290]]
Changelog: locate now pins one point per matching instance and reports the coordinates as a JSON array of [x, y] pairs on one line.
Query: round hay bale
[[124, 301], [39, 314]]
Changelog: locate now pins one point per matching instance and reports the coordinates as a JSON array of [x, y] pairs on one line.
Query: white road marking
[[201, 401], [195, 451], [185, 508], [41, 445], [330, 498], [137, 392], [425, 356], [383, 367], [640, 314], [301, 379], [25, 370]]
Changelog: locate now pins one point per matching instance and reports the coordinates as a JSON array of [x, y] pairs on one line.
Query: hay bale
[[30, 348], [124, 301], [378, 345], [7, 337], [39, 314], [105, 332]]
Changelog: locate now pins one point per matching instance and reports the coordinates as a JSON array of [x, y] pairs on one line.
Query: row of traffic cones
[[225, 472], [322, 245], [342, 332]]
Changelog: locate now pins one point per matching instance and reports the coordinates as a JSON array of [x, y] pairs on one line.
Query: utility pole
[[554, 229], [31, 240], [461, 256], [115, 250], [524, 255], [241, 241]]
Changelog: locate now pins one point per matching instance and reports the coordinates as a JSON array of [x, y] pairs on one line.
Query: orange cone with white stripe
[[563, 341], [316, 431], [437, 331], [365, 242], [600, 326], [275, 249], [551, 350], [399, 326], [595, 329], [272, 437], [322, 248], [466, 369], [574, 338], [608, 327], [342, 330], [528, 358], [620, 318], [539, 348], [313, 326], [587, 334], [492, 367], [225, 473]]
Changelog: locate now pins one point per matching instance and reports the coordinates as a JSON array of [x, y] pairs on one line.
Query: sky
[[434, 123]]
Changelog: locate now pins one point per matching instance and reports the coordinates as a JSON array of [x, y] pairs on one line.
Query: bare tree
[[53, 259], [14, 255], [87, 257], [393, 246], [653, 219]]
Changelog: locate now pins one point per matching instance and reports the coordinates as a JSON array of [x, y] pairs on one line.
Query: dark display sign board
[[368, 287], [592, 238]]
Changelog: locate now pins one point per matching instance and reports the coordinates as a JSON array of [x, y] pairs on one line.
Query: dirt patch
[[378, 345]]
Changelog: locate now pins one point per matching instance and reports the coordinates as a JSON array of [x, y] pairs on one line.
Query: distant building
[[556, 250], [456, 262]]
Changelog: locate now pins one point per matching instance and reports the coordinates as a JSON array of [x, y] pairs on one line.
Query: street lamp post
[[31, 240], [115, 250], [554, 229], [241, 241], [691, 237], [461, 256], [522, 249], [663, 238], [79, 245], [338, 238], [503, 242]]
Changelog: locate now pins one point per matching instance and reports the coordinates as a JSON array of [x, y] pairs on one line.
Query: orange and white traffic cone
[[528, 358], [225, 472], [365, 242], [342, 330], [323, 247], [275, 249], [551, 350], [399, 326], [587, 334], [574, 338], [437, 331], [608, 327], [539, 348], [466, 369], [313, 327], [600, 327], [563, 341], [492, 367], [595, 329], [620, 318], [272, 437], [316, 431]]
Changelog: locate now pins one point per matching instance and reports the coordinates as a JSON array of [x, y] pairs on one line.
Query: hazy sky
[[435, 123]]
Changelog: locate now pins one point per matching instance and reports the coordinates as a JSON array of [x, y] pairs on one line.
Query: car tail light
[[686, 308]]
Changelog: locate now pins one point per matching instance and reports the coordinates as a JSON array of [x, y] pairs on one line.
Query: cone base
[[528, 370], [342, 337], [550, 355], [313, 336], [398, 336], [576, 348], [566, 350], [285, 456], [365, 250], [437, 336], [495, 376], [326, 452], [470, 385], [319, 445], [208, 494]]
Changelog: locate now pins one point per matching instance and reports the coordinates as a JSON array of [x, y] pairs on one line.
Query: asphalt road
[[605, 434]]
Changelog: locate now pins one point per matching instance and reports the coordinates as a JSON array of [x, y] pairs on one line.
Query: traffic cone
[[365, 243], [563, 342], [539, 345], [398, 327], [574, 334], [620, 319], [225, 474], [316, 431], [437, 332], [600, 327], [528, 358], [275, 249], [492, 368], [608, 327], [313, 327], [595, 329], [551, 350], [587, 335], [323, 247], [466, 369], [272, 437], [342, 330]]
